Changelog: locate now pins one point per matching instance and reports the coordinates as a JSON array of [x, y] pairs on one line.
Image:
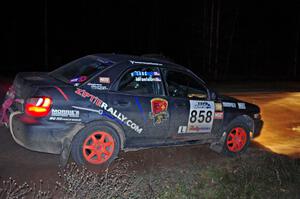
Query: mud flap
[[67, 145], [9, 99], [65, 153], [3, 110], [218, 146]]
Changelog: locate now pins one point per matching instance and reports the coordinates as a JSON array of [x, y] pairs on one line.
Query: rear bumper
[[49, 138]]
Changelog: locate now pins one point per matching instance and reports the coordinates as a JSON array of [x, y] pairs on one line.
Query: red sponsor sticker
[[194, 128], [79, 79], [219, 115], [104, 80]]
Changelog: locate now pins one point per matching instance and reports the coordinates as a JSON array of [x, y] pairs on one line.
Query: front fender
[[243, 118]]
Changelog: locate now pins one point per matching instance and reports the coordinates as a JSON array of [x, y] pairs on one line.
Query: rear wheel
[[96, 145], [237, 139]]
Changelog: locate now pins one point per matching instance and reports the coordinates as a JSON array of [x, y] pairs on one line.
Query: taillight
[[38, 106]]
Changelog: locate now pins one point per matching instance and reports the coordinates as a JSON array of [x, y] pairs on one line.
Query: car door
[[140, 96], [192, 111]]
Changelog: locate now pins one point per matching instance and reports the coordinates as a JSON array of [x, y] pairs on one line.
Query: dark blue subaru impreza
[[100, 104]]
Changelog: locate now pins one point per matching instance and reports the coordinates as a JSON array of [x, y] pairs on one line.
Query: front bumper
[[49, 138], [258, 125]]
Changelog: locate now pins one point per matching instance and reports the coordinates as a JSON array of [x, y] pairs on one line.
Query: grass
[[263, 176], [268, 176]]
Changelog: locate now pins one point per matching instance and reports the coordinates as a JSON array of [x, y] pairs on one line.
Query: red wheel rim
[[236, 139], [98, 147]]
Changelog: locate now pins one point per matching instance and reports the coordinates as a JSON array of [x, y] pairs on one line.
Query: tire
[[96, 145], [237, 138]]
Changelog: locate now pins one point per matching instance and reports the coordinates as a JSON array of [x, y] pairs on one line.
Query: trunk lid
[[27, 83]]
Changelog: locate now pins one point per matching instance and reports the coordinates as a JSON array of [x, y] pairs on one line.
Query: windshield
[[80, 70]]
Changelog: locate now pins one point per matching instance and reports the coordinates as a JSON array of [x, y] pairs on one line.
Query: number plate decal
[[201, 116]]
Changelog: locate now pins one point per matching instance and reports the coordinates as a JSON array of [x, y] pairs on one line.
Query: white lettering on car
[[145, 63], [123, 118], [104, 106], [65, 115], [114, 112], [229, 104], [241, 105], [182, 129]]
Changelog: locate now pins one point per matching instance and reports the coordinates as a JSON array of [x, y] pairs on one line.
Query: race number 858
[[201, 116]]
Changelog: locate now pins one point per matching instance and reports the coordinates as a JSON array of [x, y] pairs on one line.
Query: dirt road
[[24, 165], [281, 115], [281, 134]]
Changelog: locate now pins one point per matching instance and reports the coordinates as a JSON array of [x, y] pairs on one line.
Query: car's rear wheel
[[237, 139], [96, 145]]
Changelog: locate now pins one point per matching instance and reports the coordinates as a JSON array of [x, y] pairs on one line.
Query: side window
[[142, 81], [184, 85]]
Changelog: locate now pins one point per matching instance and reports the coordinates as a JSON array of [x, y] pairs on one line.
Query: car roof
[[121, 58]]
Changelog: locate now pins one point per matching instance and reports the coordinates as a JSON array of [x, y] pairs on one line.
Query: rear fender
[[67, 142], [119, 129]]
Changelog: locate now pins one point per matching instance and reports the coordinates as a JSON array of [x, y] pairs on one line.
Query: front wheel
[[96, 145], [237, 139]]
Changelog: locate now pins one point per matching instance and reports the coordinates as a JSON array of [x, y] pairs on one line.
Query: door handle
[[180, 104]]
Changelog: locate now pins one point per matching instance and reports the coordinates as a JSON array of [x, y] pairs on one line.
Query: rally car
[[100, 104]]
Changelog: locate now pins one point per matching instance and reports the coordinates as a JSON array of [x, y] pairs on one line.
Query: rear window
[[80, 70]]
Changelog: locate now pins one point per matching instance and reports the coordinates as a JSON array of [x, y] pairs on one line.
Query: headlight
[[257, 116]]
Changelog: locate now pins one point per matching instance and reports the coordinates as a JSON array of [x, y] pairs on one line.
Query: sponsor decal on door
[[159, 110]]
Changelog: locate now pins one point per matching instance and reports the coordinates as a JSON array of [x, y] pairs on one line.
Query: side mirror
[[213, 95]]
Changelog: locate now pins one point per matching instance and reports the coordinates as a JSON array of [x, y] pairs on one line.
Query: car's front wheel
[[96, 145], [237, 139]]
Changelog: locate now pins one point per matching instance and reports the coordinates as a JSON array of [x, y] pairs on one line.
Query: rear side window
[[80, 70], [142, 81]]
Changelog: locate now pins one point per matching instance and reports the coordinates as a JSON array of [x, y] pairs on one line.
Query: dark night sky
[[216, 39]]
